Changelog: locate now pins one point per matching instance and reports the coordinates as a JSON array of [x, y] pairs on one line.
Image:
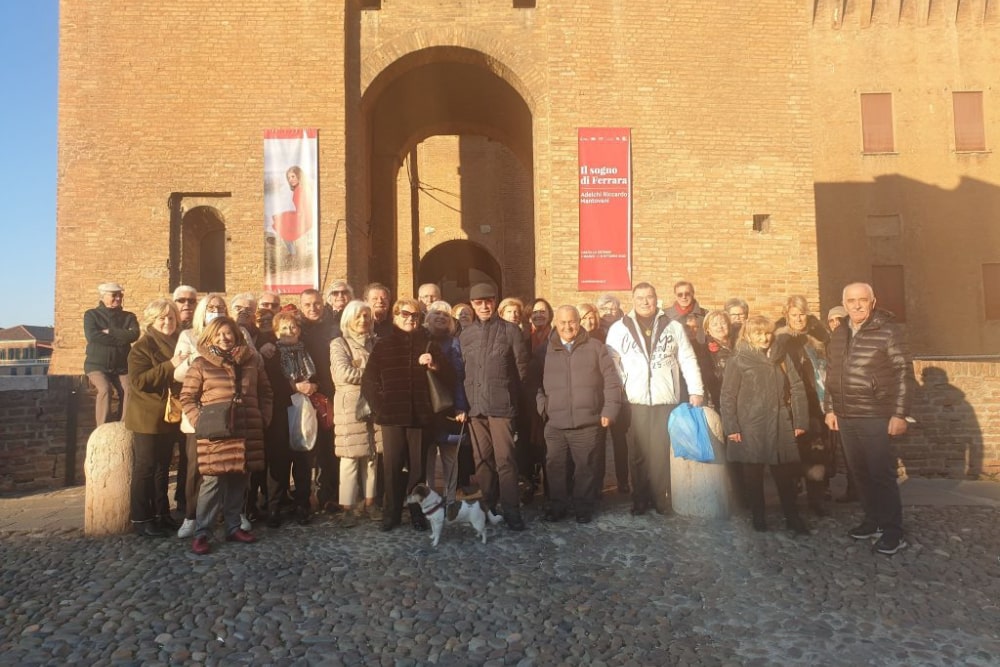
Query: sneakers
[[245, 524], [866, 531], [890, 545], [186, 530], [200, 545]]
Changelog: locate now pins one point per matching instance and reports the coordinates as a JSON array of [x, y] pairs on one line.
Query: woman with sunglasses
[[395, 385]]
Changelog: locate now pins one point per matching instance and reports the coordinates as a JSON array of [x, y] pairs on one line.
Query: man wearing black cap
[[496, 362]]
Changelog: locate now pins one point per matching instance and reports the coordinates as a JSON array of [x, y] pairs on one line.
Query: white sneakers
[[245, 523], [186, 529]]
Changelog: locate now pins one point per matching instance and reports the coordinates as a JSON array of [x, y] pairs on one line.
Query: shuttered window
[[991, 290], [876, 123], [890, 289], [970, 134]]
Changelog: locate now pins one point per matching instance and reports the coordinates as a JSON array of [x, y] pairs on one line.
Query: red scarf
[[681, 310]]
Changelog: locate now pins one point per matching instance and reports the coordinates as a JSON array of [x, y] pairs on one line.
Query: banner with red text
[[605, 209], [291, 210]]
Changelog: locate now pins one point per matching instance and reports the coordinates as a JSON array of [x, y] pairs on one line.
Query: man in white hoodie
[[651, 353]]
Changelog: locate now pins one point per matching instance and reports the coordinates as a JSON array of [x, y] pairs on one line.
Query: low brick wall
[[957, 408], [44, 431]]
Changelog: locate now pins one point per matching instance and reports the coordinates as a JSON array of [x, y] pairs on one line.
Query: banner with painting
[[291, 210], [605, 161]]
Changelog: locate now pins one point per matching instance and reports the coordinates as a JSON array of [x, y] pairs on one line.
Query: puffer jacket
[[210, 380], [496, 365], [579, 385], [653, 377], [108, 352], [395, 384], [869, 373], [352, 438], [764, 401]]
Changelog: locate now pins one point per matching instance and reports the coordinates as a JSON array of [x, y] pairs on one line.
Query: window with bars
[[876, 123], [970, 133]]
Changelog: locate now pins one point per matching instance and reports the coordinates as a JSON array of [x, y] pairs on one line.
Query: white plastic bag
[[302, 425]]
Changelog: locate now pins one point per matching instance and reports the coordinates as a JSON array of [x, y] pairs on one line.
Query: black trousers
[[403, 448], [649, 455], [151, 453], [282, 461], [327, 470], [192, 478], [582, 447], [872, 459], [784, 475], [619, 444]]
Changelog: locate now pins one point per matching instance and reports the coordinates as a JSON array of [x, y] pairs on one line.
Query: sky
[[29, 59]]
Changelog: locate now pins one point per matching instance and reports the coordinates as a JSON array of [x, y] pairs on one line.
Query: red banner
[[605, 209], [291, 210]]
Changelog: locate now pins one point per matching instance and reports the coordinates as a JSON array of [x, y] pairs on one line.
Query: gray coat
[[579, 385], [763, 400], [496, 363]]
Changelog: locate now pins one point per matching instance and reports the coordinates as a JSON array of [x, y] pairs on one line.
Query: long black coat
[[394, 382], [764, 401]]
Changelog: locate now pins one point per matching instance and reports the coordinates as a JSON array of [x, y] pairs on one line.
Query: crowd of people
[[343, 405]]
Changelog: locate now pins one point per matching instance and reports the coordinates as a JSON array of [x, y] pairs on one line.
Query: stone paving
[[622, 590]]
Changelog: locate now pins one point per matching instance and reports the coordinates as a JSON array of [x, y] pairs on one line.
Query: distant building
[[25, 350]]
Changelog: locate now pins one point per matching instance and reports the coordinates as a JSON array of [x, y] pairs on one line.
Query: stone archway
[[457, 265], [453, 92]]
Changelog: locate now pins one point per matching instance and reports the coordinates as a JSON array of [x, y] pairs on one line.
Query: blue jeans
[[872, 460]]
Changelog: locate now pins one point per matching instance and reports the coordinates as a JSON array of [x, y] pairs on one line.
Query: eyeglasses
[[681, 295], [115, 295], [340, 292], [270, 305], [407, 315], [186, 300], [240, 309]]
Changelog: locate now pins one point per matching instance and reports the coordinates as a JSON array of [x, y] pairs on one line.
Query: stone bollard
[[703, 489], [108, 469]]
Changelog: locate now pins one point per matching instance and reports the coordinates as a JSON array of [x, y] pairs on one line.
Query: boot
[[512, 515]]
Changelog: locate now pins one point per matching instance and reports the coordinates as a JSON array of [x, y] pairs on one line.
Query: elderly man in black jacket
[[869, 387], [110, 331], [496, 362], [580, 396]]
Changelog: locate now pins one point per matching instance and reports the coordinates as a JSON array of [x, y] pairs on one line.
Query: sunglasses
[[340, 292], [681, 295], [407, 315], [186, 300], [269, 305]]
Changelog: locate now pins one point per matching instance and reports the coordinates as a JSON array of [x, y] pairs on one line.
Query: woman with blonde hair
[[151, 364], [512, 310], [590, 320], [764, 409], [395, 384], [802, 338], [357, 441], [226, 369]]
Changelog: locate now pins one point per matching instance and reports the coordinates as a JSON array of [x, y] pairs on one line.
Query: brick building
[[448, 147]]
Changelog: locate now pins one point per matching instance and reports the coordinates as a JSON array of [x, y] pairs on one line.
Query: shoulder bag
[[442, 396]]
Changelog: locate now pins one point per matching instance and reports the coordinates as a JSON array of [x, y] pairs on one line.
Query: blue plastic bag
[[689, 434]]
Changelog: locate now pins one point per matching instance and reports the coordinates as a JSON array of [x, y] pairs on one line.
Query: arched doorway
[[203, 249], [489, 228], [457, 265]]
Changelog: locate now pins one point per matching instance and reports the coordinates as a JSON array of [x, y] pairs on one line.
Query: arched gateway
[[449, 187]]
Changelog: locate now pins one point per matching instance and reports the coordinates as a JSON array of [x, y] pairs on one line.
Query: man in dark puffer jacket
[[580, 397], [869, 388]]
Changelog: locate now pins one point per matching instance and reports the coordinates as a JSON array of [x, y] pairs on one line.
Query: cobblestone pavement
[[622, 590]]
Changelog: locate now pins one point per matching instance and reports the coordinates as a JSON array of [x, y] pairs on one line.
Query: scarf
[[165, 344], [227, 356], [684, 311]]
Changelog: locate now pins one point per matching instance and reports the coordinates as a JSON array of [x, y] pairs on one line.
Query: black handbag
[[442, 396], [215, 421]]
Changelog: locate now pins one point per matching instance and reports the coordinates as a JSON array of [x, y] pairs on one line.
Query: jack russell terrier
[[435, 509]]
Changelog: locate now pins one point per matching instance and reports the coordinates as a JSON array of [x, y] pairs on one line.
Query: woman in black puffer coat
[[395, 385]]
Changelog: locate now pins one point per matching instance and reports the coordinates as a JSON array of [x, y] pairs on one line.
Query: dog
[[437, 512]]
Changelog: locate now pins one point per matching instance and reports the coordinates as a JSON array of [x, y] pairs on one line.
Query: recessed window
[[991, 290], [371, 4], [970, 134], [876, 123], [762, 222], [890, 289], [524, 4]]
